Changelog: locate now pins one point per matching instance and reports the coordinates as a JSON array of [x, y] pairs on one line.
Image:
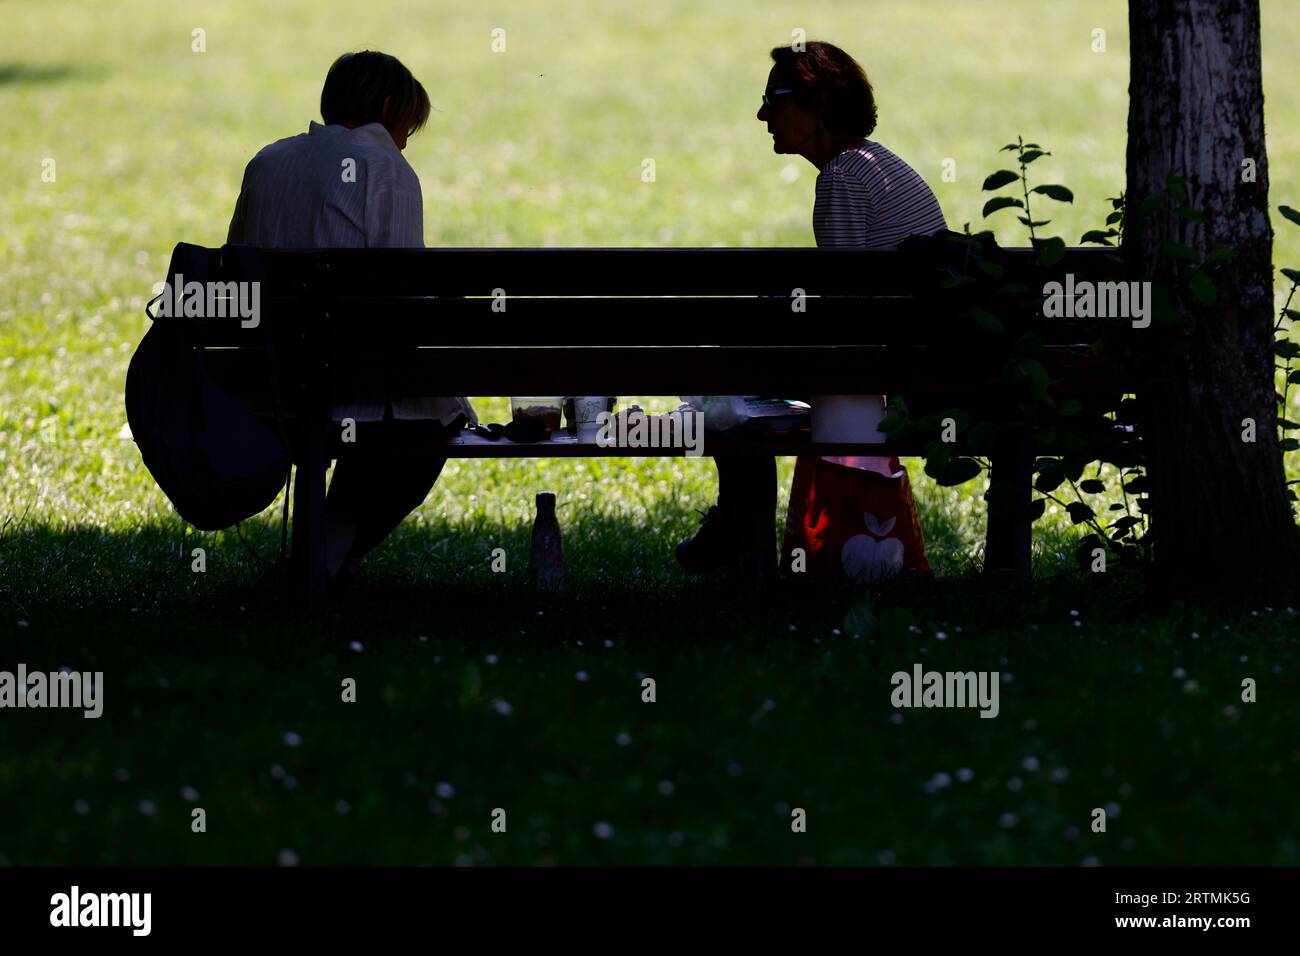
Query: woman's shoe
[[717, 545], [712, 547]]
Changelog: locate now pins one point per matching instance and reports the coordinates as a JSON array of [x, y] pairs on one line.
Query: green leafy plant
[[1285, 348], [1096, 424], [1050, 251]]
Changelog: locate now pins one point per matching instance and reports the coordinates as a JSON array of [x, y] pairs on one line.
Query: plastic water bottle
[[547, 562]]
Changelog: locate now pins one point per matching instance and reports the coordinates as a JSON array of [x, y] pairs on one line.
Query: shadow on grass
[[31, 74], [163, 565], [473, 693]]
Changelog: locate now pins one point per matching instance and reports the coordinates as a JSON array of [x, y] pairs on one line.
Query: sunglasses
[[769, 93]]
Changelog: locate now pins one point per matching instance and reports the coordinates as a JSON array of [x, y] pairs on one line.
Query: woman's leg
[[747, 500], [739, 532]]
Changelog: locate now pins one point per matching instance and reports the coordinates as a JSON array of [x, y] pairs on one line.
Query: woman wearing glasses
[[819, 105]]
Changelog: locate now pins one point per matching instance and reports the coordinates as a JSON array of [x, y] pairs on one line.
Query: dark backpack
[[216, 461]]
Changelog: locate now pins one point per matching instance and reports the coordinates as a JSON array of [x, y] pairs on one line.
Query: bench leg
[[1009, 542]]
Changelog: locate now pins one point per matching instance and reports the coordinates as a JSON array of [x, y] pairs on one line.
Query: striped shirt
[[869, 198], [333, 187]]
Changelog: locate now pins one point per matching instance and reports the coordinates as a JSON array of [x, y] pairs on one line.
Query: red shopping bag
[[851, 523]]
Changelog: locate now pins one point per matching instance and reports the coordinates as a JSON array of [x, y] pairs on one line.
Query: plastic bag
[[721, 412]]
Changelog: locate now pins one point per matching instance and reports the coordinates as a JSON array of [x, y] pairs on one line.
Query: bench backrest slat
[[645, 272]]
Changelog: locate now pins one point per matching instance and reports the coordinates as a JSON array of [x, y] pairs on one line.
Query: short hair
[[357, 85], [828, 81]]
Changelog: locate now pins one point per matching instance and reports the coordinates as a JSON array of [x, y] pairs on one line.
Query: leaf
[[895, 622], [986, 320], [1000, 178], [1051, 251], [1117, 507], [1291, 314], [1127, 521], [861, 620], [1291, 274], [1202, 287], [1092, 486], [1287, 425], [958, 471], [1097, 236], [1286, 348], [1293, 377], [1029, 155], [991, 269], [1136, 485], [1029, 344], [1036, 372], [1009, 147], [1289, 444], [1049, 479], [1001, 202], [1176, 250], [1079, 512], [1114, 218], [1087, 544], [1024, 221], [1059, 193], [1290, 214], [1073, 467], [1032, 146], [1036, 509]]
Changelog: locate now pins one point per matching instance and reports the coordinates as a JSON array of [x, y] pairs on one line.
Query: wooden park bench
[[349, 324]]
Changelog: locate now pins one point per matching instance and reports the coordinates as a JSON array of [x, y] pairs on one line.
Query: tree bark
[[1221, 523]]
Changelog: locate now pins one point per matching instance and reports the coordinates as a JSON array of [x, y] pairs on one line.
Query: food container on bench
[[537, 413], [582, 413], [847, 418]]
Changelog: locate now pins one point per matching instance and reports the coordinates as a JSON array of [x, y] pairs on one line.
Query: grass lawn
[[472, 695]]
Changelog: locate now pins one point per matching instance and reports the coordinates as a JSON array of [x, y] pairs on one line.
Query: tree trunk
[[1221, 523]]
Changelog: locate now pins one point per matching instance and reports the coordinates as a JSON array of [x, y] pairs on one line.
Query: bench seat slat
[[668, 370]]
